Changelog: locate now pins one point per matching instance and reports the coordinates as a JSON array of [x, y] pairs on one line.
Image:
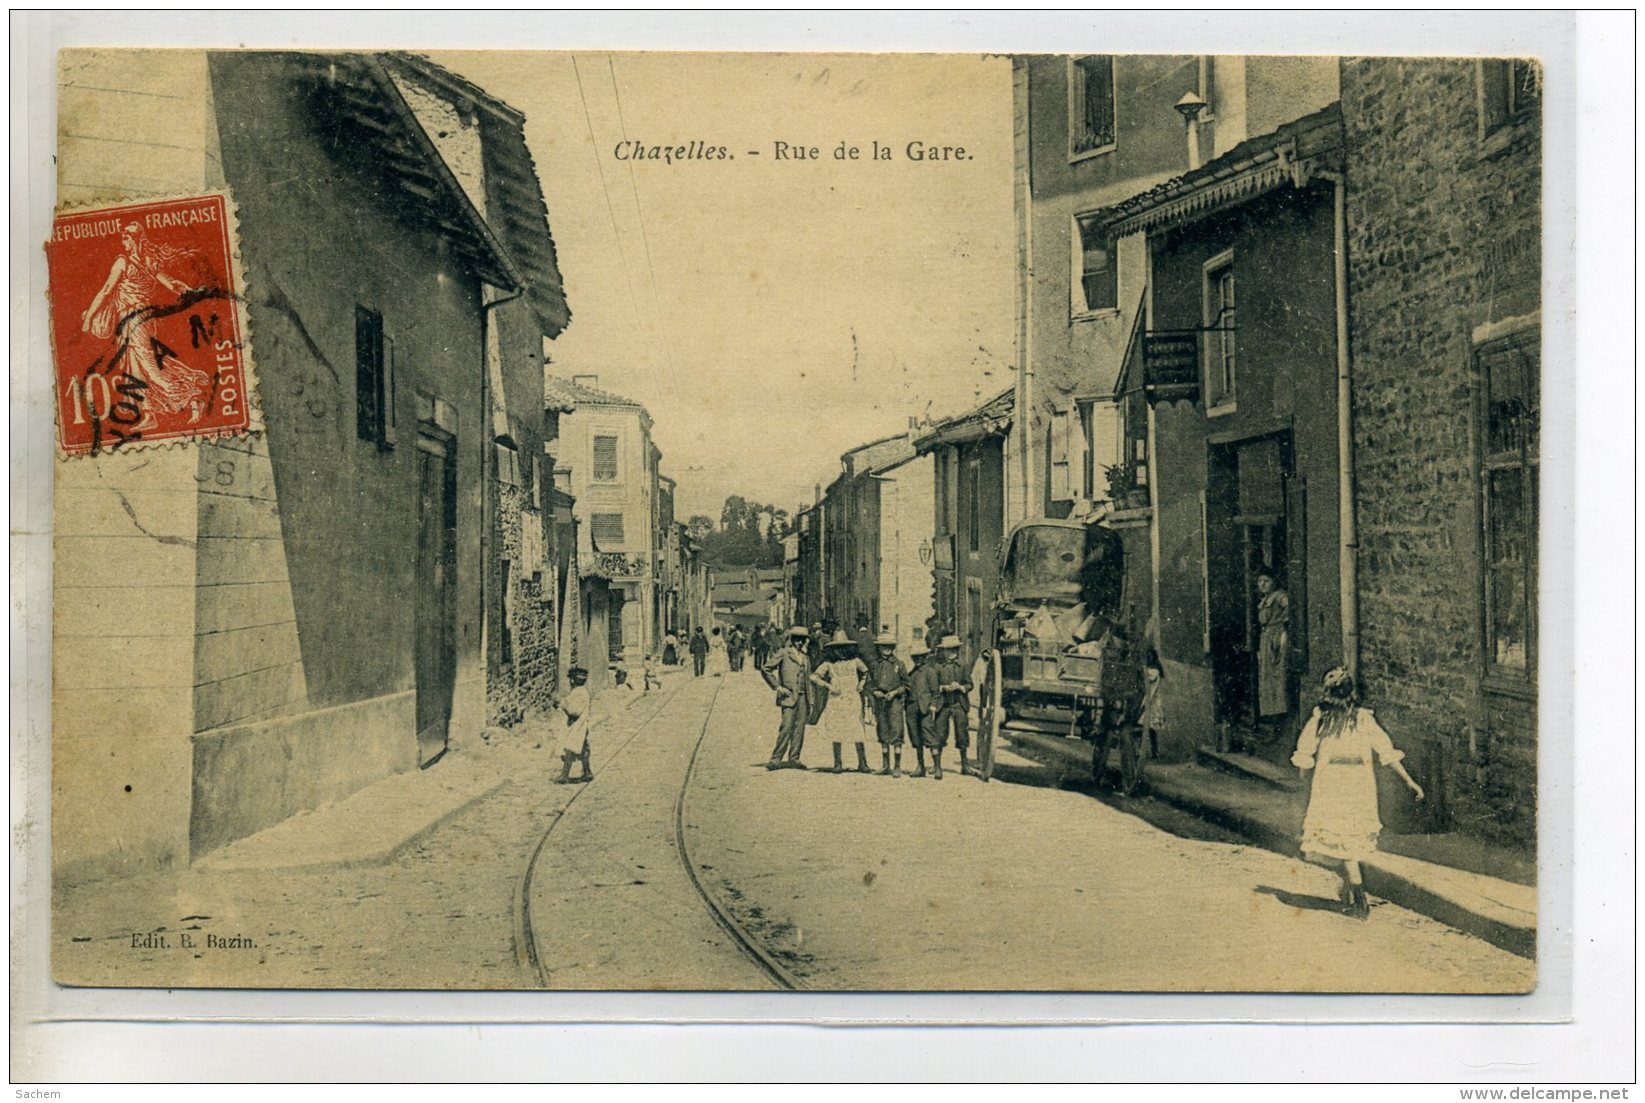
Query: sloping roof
[[992, 418], [878, 455], [518, 211], [1256, 166], [560, 393], [357, 105]]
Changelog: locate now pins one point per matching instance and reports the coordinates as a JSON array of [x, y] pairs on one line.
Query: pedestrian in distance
[[1336, 746], [953, 708], [734, 648], [761, 646], [789, 673], [841, 676], [577, 705], [653, 679], [888, 686], [699, 652], [923, 702], [671, 649]]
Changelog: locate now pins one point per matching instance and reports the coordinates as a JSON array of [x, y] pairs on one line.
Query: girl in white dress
[[842, 672], [1337, 745]]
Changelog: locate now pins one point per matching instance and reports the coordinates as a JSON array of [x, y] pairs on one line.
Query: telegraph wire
[[622, 254], [645, 239]]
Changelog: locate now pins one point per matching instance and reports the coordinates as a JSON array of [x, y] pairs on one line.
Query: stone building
[[313, 606], [1091, 132], [970, 471], [1444, 165], [1240, 365], [603, 441], [483, 140], [878, 517]]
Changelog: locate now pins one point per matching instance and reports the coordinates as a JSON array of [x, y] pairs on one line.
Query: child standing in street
[[842, 674], [1337, 745], [578, 708]]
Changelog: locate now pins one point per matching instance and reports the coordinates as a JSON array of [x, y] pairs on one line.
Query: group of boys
[[921, 706], [928, 702]]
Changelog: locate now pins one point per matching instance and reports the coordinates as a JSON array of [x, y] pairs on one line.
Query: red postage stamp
[[148, 325]]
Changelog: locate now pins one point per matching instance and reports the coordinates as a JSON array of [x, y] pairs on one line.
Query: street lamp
[[1190, 106]]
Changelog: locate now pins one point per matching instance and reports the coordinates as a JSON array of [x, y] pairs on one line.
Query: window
[[373, 379], [973, 504], [1509, 373], [1096, 268], [508, 464], [607, 530], [1090, 105], [605, 459], [1510, 92], [1102, 434], [1221, 332]]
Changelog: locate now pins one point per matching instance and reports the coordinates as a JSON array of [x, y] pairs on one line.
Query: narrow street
[[846, 882]]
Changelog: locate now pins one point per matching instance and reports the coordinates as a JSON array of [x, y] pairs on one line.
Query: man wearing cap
[[789, 673], [953, 709], [923, 701], [887, 683]]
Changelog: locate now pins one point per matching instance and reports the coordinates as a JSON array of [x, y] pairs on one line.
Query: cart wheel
[[990, 716]]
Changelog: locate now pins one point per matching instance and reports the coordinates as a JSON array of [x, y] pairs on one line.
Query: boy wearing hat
[[954, 705], [789, 673], [923, 699], [887, 684], [577, 706]]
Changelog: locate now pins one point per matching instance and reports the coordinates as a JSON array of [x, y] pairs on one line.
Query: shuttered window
[[607, 530], [605, 459], [1509, 372]]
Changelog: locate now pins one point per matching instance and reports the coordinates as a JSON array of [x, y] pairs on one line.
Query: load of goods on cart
[[1062, 663]]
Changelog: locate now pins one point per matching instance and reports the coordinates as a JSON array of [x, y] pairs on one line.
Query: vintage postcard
[[835, 522]]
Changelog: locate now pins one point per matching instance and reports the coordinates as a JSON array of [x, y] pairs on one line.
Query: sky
[[772, 314]]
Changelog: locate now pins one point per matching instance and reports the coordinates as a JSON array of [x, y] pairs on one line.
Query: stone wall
[[524, 675], [1443, 238]]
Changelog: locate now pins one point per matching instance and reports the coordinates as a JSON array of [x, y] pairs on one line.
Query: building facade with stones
[[1444, 164], [313, 615]]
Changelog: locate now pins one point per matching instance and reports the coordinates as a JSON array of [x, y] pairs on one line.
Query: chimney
[[1191, 106], [586, 380]]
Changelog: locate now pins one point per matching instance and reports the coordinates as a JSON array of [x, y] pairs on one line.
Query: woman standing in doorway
[[1273, 648], [1336, 746]]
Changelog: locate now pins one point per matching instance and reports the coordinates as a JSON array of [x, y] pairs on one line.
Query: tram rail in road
[[527, 957]]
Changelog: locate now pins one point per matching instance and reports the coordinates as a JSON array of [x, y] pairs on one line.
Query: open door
[[435, 596]]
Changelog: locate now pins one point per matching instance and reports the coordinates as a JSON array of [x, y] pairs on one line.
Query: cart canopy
[[1062, 563]]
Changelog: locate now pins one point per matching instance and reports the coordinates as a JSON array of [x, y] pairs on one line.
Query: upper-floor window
[[605, 459], [1208, 87], [1510, 92], [1102, 431], [1096, 268], [1221, 332], [373, 379], [1509, 371], [1090, 105], [607, 530]]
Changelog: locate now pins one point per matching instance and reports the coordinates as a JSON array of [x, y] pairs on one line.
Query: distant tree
[[750, 535], [699, 527]]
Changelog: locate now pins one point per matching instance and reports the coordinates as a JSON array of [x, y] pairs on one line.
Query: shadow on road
[[1301, 900], [1042, 770]]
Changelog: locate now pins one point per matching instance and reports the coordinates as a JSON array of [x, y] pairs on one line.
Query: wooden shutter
[[1062, 488], [605, 459]]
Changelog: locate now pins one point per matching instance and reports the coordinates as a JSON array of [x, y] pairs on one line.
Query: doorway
[[1255, 516], [435, 600]]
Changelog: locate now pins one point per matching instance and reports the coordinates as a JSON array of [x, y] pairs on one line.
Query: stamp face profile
[[148, 334]]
